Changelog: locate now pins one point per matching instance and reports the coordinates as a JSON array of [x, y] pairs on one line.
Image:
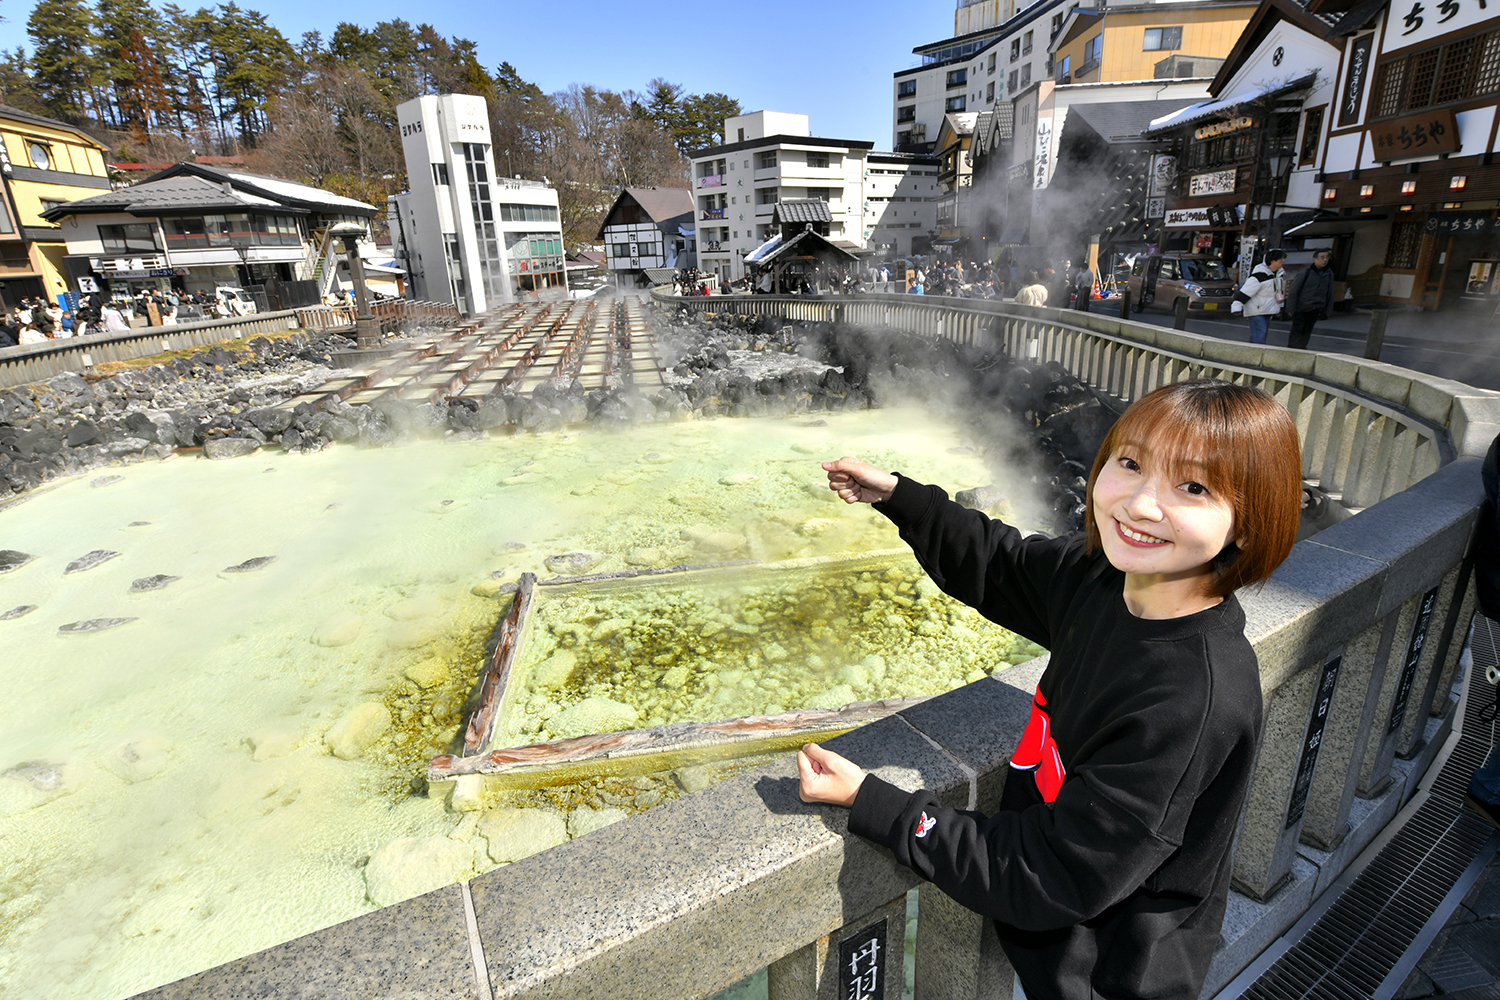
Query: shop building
[[900, 203], [1410, 185], [43, 164], [649, 227], [194, 227]]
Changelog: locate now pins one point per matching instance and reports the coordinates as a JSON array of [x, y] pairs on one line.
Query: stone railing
[[1358, 636], [35, 362]]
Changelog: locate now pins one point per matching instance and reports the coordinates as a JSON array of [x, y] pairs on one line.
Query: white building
[[900, 200], [767, 156], [645, 229], [465, 235], [986, 62]]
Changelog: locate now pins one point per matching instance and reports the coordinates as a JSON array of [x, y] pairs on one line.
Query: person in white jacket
[[1261, 295]]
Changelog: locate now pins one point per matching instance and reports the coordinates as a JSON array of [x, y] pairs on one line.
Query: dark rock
[[128, 446], [339, 429], [251, 565], [93, 625], [89, 560], [980, 498], [83, 432], [18, 612], [139, 425], [38, 442], [12, 560], [16, 406], [149, 583], [269, 420], [291, 439], [72, 391], [229, 447]]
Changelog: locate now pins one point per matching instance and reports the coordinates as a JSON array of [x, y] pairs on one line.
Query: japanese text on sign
[[1416, 21], [862, 964], [1431, 132], [1354, 80], [1322, 702]]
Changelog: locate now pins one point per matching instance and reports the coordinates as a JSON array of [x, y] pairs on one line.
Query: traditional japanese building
[[648, 227]]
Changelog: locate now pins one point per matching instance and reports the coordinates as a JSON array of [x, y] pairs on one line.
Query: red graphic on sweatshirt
[[1037, 751]]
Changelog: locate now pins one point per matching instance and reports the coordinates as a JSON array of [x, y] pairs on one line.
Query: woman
[[1033, 292]]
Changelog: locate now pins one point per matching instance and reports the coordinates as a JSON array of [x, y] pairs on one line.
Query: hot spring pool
[[169, 798]]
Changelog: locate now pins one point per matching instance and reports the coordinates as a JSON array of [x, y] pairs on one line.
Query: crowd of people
[[36, 321]]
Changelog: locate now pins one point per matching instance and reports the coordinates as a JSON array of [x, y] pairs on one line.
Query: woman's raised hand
[[859, 482]]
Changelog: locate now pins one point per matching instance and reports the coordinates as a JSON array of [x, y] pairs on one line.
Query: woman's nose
[[1142, 503]]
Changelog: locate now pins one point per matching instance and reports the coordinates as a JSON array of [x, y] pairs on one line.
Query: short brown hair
[[1241, 444]]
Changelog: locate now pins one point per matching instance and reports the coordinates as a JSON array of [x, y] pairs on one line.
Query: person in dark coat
[[1310, 299]]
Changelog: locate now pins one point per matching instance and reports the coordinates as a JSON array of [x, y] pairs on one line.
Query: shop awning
[[1208, 109]]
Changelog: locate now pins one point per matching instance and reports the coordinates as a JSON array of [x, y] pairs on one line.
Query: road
[[1461, 346]]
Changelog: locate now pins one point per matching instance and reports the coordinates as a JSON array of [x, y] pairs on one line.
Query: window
[[528, 213], [1015, 77], [765, 161], [440, 174], [1057, 20], [1026, 75], [48, 204], [1064, 68], [1168, 268], [41, 155], [1093, 49], [742, 138], [958, 77], [647, 249], [622, 249], [1405, 246], [1462, 69], [131, 238], [956, 103], [823, 193], [766, 196], [906, 88], [6, 226], [1026, 42], [991, 66], [908, 113], [1015, 49], [1312, 131], [989, 93], [817, 159], [1158, 39]]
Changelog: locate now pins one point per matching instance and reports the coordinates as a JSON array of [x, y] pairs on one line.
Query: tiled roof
[[182, 193], [1123, 121], [798, 210]]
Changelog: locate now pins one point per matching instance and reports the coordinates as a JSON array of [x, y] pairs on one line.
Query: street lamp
[[1279, 163], [366, 327]]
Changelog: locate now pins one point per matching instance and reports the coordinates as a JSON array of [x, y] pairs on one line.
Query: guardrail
[[36, 362], [1358, 636]]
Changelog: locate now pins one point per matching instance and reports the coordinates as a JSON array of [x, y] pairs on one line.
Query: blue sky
[[832, 62]]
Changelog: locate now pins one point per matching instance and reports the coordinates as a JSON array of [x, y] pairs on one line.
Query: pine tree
[[63, 61]]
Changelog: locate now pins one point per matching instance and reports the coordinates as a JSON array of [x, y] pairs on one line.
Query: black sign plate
[[1413, 657], [1322, 701], [862, 964]]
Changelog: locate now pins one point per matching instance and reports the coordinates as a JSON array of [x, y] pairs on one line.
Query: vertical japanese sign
[[1041, 164], [1322, 702], [862, 964], [1354, 80], [1413, 657]]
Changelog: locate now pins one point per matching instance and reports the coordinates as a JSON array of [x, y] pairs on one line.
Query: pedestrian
[[1261, 296], [1310, 299], [1083, 285], [1107, 867], [1033, 292], [1483, 794], [112, 319], [1057, 286], [41, 318]]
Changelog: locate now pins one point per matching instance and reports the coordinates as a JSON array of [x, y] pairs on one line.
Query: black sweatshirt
[[1107, 867]]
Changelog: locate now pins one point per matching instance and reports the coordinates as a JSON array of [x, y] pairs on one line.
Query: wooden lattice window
[[1487, 70], [1405, 246], [1388, 90], [1457, 71], [1423, 72]]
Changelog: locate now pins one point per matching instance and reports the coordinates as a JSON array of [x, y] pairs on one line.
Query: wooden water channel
[[513, 349]]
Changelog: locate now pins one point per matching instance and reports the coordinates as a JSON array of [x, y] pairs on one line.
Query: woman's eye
[[1129, 463], [1196, 489]]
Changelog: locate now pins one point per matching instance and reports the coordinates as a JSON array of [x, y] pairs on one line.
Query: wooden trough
[[505, 686]]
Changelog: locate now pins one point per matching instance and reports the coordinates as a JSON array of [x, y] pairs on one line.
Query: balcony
[[711, 181], [713, 213]]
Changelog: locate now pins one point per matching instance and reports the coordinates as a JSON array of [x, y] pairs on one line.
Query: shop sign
[[1203, 218], [1354, 81], [1223, 128], [1042, 164], [1415, 22], [1415, 135], [1163, 175], [1461, 224], [1205, 241], [1217, 182], [1156, 208]]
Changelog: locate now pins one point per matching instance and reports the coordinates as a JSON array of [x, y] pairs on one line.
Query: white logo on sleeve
[[924, 825]]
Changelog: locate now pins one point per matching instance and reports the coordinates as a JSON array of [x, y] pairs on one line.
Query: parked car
[[1161, 279]]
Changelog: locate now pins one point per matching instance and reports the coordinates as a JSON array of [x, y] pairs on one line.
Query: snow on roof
[[300, 192], [763, 251], [1205, 109]]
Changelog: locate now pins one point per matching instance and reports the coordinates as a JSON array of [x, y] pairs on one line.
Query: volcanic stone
[[339, 630], [359, 729], [583, 820], [92, 625], [571, 562], [82, 433], [410, 866], [250, 565], [11, 560], [148, 583], [514, 834], [89, 560], [233, 447], [18, 612], [592, 715]]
